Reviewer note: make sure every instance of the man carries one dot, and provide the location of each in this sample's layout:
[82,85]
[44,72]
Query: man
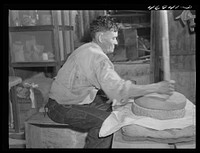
[76,95]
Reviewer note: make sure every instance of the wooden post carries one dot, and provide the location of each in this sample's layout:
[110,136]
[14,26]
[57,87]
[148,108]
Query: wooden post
[165,44]
[156,47]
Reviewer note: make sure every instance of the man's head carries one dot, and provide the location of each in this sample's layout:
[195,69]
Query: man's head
[104,31]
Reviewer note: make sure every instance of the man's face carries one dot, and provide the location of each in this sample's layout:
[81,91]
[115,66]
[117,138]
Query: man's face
[109,40]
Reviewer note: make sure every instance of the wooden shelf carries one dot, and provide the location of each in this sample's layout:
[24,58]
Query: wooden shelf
[137,26]
[32,28]
[130,11]
[34,64]
[66,28]
[38,28]
[54,36]
[127,15]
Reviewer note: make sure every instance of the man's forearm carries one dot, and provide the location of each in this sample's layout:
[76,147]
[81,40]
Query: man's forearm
[140,90]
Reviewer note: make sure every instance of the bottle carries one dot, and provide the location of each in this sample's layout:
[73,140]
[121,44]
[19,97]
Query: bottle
[37,17]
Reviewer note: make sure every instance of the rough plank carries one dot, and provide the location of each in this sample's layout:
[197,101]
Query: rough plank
[33,136]
[62,138]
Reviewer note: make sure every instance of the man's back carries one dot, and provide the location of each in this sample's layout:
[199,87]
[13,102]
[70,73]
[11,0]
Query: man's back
[76,79]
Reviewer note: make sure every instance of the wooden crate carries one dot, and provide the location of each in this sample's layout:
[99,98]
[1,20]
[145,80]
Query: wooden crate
[42,132]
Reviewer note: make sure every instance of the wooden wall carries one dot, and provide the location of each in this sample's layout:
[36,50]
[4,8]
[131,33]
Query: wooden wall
[138,73]
[81,20]
[182,55]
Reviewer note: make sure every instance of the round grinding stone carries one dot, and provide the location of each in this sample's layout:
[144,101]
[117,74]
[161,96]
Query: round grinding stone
[160,108]
[176,101]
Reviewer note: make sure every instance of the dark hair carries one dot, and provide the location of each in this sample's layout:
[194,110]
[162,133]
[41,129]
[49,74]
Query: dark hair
[103,23]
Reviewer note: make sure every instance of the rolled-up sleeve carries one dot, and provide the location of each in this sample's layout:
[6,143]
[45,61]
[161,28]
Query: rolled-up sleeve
[111,83]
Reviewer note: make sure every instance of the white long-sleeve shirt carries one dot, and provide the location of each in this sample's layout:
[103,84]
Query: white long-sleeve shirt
[86,70]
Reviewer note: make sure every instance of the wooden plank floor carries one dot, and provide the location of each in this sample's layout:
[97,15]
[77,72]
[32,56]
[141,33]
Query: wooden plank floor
[17,143]
[17,140]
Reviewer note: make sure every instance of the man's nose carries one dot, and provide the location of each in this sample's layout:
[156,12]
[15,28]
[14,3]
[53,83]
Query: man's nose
[116,42]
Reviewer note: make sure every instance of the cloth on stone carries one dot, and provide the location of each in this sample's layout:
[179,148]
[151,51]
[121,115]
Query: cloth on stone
[138,133]
[190,139]
[124,116]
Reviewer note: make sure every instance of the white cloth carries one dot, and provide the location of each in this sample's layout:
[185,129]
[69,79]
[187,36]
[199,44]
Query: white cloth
[124,116]
[90,97]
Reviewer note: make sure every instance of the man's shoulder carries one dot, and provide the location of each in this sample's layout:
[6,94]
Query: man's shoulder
[91,50]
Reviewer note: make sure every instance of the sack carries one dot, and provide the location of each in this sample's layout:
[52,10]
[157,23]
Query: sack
[25,104]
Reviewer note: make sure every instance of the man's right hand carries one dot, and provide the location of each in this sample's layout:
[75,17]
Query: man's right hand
[166,87]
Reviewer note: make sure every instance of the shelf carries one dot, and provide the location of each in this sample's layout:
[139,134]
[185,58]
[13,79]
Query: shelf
[67,28]
[130,11]
[34,64]
[31,28]
[50,33]
[127,15]
[136,26]
[38,28]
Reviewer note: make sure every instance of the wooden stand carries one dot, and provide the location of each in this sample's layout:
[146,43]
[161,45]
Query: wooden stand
[118,142]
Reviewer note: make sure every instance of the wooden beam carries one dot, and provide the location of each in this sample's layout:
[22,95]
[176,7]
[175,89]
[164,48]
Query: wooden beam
[165,44]
[155,75]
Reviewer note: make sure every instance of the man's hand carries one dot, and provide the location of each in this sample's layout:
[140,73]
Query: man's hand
[166,87]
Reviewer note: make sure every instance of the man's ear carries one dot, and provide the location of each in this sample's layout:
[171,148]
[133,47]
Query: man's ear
[100,37]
